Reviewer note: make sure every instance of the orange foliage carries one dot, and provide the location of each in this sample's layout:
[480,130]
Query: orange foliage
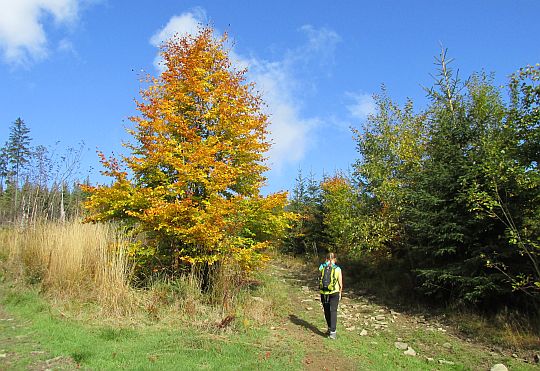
[196,163]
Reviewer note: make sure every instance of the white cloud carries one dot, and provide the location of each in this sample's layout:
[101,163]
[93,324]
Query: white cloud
[321,42]
[22,34]
[290,132]
[363,105]
[184,24]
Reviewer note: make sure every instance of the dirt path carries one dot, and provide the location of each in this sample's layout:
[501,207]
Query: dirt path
[306,324]
[16,344]
[361,322]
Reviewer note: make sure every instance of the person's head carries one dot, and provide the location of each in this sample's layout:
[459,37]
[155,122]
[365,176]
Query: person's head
[331,257]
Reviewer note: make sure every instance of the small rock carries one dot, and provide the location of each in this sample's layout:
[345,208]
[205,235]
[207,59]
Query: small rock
[380,317]
[499,367]
[514,355]
[363,332]
[3,355]
[447,345]
[309,308]
[410,352]
[257,298]
[429,359]
[55,359]
[399,339]
[445,362]
[382,310]
[401,346]
[352,328]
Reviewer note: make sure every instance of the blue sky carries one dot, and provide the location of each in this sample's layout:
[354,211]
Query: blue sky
[70,68]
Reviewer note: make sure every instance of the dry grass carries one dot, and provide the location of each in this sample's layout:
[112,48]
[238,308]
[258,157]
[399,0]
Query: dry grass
[510,330]
[72,261]
[83,269]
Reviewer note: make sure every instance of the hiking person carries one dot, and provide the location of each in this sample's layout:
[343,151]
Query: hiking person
[331,286]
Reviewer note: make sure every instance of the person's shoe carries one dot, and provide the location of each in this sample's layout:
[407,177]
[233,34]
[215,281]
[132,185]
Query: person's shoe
[332,335]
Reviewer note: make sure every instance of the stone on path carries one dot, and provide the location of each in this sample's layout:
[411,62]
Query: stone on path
[410,352]
[380,317]
[499,367]
[445,362]
[363,332]
[401,346]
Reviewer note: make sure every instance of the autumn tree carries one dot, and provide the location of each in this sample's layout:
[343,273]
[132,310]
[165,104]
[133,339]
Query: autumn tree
[191,186]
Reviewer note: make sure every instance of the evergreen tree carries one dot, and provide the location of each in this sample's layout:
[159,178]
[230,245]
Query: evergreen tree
[18,148]
[306,234]
[18,155]
[4,172]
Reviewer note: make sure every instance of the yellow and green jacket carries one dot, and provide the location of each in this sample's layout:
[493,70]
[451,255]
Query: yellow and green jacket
[336,273]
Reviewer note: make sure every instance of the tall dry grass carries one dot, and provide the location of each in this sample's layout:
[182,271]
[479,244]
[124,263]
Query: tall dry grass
[73,261]
[76,264]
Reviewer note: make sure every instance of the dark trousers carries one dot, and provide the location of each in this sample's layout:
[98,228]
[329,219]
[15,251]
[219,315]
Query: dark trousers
[330,304]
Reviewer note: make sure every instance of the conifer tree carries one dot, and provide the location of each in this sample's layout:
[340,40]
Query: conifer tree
[18,152]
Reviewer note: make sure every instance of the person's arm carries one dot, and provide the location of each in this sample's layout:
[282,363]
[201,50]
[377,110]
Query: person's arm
[340,280]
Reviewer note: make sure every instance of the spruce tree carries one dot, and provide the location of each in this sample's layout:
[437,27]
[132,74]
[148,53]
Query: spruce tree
[18,154]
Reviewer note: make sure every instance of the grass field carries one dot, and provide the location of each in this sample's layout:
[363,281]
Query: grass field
[34,334]
[62,310]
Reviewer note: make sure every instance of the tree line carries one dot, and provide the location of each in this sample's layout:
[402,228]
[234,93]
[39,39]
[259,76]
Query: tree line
[449,194]
[36,182]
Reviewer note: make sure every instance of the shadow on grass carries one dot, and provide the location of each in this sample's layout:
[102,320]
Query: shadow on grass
[305,324]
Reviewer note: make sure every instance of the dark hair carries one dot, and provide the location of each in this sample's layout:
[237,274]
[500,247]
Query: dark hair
[331,256]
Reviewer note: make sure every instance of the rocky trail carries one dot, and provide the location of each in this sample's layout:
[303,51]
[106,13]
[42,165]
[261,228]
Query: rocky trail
[368,330]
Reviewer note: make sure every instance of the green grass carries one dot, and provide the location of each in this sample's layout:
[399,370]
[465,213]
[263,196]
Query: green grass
[40,332]
[145,348]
